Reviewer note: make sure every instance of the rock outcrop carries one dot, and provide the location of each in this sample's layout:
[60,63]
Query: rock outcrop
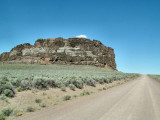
[79,51]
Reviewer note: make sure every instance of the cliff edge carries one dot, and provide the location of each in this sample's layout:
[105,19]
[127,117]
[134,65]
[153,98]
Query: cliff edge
[78,51]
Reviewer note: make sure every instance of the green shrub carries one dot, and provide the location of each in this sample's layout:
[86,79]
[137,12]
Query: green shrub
[18,113]
[52,83]
[40,83]
[30,109]
[104,88]
[38,100]
[78,83]
[63,88]
[16,82]
[72,87]
[19,89]
[25,85]
[44,94]
[84,93]
[6,87]
[58,84]
[3,97]
[91,83]
[101,81]
[8,93]
[67,97]
[43,105]
[2,116]
[7,111]
[4,78]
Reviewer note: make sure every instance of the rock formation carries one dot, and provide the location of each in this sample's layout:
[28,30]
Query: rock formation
[79,51]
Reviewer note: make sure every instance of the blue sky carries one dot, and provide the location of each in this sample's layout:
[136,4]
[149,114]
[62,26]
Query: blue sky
[131,27]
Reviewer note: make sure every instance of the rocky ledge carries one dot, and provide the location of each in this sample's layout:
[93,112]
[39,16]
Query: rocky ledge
[78,51]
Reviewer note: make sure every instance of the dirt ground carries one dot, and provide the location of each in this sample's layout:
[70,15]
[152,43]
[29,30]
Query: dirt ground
[50,98]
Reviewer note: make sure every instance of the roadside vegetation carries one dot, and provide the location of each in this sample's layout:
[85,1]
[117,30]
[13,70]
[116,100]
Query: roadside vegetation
[156,77]
[38,86]
[26,77]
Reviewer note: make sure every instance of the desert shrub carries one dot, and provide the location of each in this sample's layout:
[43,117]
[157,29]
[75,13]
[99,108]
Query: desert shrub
[4,78]
[91,83]
[30,109]
[101,81]
[38,100]
[16,82]
[40,83]
[19,89]
[109,80]
[104,88]
[2,116]
[49,97]
[105,80]
[7,111]
[3,97]
[52,83]
[84,93]
[67,97]
[63,88]
[44,94]
[25,85]
[43,105]
[72,87]
[18,113]
[42,77]
[78,83]
[8,93]
[58,84]
[6,87]
[156,77]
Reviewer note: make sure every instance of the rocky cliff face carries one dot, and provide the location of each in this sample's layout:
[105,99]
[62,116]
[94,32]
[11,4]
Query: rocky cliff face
[79,51]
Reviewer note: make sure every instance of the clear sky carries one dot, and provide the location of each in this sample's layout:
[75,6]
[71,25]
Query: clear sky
[131,27]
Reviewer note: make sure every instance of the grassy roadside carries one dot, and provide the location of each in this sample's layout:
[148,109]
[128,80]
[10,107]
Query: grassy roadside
[28,88]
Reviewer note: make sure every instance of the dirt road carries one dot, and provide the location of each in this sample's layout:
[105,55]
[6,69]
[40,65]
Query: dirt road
[136,100]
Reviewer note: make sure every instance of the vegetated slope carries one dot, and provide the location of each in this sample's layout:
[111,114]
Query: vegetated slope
[42,77]
[78,51]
